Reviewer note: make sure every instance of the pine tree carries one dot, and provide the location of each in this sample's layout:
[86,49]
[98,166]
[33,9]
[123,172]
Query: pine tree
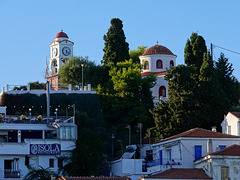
[116,48]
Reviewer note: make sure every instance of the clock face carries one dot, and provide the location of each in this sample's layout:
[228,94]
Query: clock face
[55,51]
[66,50]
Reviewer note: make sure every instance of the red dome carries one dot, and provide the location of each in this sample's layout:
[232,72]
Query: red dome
[61,35]
[158,49]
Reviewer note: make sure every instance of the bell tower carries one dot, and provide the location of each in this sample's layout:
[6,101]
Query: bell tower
[60,50]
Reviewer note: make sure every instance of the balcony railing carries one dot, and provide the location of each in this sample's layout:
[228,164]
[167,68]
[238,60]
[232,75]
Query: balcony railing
[34,120]
[9,173]
[165,162]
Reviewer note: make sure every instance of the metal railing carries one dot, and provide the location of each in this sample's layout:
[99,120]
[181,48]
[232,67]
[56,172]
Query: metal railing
[165,162]
[36,120]
[9,173]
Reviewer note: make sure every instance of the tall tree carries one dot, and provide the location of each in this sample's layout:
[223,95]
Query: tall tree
[116,48]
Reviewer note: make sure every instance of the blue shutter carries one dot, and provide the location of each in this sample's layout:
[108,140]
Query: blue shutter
[222,146]
[198,152]
[160,157]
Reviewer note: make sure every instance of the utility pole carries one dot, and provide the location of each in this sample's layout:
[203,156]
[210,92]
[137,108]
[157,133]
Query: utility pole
[48,100]
[212,50]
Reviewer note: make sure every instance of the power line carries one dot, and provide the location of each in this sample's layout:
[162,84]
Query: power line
[226,49]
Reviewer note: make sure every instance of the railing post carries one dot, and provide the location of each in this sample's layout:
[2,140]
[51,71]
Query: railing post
[7,88]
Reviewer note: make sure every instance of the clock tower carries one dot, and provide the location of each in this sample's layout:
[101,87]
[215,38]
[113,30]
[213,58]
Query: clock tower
[60,50]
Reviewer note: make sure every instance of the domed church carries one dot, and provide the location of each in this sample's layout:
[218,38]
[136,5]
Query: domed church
[157,59]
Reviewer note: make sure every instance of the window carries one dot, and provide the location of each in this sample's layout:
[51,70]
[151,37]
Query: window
[149,155]
[51,163]
[146,65]
[222,146]
[171,63]
[229,129]
[224,173]
[198,152]
[159,64]
[162,91]
[160,157]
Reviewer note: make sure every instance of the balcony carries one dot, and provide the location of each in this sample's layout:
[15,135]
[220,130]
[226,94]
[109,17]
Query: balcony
[34,120]
[163,164]
[9,173]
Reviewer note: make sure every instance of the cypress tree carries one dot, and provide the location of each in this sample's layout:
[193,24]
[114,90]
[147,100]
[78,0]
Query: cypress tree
[116,48]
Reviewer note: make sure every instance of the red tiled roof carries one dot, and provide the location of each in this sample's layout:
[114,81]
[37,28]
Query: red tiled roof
[61,34]
[233,150]
[94,178]
[200,133]
[154,73]
[157,49]
[237,114]
[180,173]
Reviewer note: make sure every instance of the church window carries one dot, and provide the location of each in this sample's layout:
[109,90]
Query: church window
[162,91]
[171,63]
[146,65]
[159,64]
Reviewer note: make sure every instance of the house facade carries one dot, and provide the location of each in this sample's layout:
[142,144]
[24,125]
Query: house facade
[231,124]
[222,164]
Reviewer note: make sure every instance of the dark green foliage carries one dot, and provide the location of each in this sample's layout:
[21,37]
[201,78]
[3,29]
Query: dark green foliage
[38,173]
[33,85]
[199,92]
[19,104]
[129,101]
[71,73]
[87,156]
[116,48]
[134,54]
[194,51]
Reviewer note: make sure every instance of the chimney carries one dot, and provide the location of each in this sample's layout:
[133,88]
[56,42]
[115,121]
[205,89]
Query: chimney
[214,129]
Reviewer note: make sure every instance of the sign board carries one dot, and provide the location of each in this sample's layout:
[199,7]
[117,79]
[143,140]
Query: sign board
[45,149]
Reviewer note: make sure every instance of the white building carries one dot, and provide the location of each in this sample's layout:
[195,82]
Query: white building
[178,151]
[223,164]
[157,59]
[34,142]
[231,124]
[186,147]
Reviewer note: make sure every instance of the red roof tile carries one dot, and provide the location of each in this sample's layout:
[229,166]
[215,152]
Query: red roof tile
[94,178]
[157,49]
[200,133]
[233,150]
[237,114]
[180,173]
[61,34]
[153,73]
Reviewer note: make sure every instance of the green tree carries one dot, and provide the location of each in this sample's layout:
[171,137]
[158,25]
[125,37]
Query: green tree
[38,173]
[199,92]
[116,48]
[71,73]
[131,99]
[87,156]
[134,54]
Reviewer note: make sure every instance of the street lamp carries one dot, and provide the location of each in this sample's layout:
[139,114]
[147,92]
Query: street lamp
[139,125]
[113,136]
[129,127]
[56,110]
[82,76]
[30,113]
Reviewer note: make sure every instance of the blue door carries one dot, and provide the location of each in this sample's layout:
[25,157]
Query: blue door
[198,152]
[160,157]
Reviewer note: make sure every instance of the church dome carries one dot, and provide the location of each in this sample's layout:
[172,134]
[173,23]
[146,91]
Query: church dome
[61,35]
[158,49]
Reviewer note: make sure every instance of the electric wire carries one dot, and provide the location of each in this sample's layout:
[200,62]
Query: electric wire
[226,49]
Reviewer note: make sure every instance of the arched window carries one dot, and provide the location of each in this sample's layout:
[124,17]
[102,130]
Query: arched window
[159,64]
[171,63]
[162,91]
[146,65]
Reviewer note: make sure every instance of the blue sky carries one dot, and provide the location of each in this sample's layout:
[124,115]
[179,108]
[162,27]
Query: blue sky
[29,26]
